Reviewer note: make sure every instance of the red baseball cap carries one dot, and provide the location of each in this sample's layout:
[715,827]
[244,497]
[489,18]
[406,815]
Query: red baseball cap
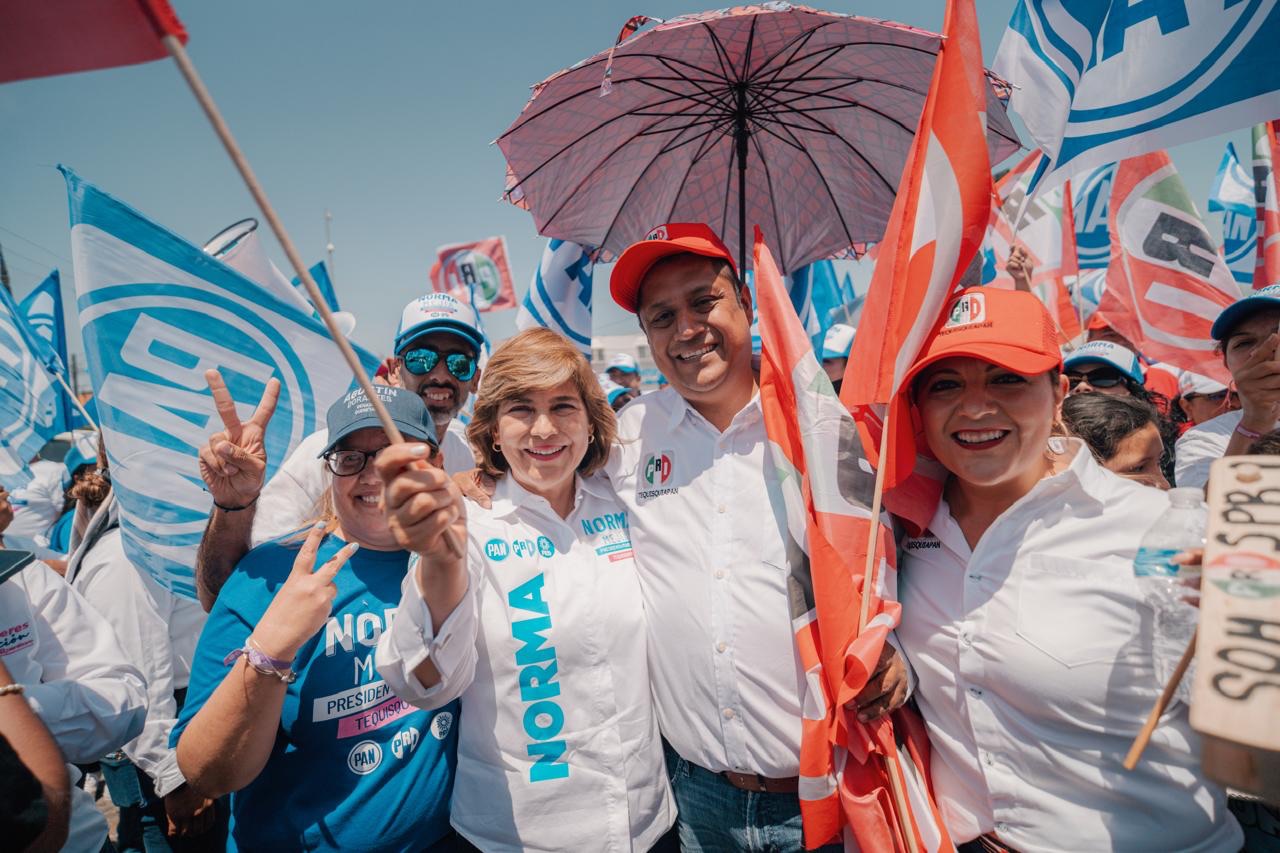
[663,241]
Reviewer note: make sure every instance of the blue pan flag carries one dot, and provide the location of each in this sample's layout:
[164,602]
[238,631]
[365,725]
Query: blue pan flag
[29,397]
[42,309]
[559,296]
[1232,195]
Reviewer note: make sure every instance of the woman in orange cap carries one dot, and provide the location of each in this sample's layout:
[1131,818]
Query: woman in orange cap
[1021,614]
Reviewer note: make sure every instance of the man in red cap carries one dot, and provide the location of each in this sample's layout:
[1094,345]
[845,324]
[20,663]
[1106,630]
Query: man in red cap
[692,470]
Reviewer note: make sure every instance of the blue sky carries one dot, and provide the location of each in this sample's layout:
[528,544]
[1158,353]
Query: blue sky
[381,112]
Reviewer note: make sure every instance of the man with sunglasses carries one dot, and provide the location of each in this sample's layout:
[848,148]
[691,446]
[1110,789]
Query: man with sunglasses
[1104,367]
[1203,399]
[437,352]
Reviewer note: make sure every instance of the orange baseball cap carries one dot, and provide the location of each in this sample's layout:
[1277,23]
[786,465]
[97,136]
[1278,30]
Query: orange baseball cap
[663,241]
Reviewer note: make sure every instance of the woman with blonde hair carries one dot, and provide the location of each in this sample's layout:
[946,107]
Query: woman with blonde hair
[559,746]
[285,710]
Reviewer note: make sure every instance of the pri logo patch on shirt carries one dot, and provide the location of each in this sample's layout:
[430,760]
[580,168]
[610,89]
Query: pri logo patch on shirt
[967,310]
[655,475]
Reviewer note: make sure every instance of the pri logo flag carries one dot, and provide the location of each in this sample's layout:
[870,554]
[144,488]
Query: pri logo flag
[1266,155]
[477,273]
[937,225]
[559,296]
[1166,283]
[28,396]
[826,488]
[1232,195]
[1097,81]
[157,312]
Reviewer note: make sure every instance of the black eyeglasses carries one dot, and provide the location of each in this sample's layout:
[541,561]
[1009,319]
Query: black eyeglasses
[348,463]
[1105,377]
[422,361]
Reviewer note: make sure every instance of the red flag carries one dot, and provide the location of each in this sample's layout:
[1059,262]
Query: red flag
[938,222]
[1266,156]
[1166,283]
[39,38]
[844,783]
[477,273]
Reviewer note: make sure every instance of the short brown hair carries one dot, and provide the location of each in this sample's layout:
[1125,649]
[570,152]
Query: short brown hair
[535,360]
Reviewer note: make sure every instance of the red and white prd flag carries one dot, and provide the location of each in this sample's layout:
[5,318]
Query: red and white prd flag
[845,791]
[937,226]
[1266,158]
[1167,282]
[476,273]
[39,38]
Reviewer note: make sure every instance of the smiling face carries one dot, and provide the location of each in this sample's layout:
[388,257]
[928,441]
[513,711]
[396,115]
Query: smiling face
[443,392]
[1137,457]
[986,424]
[699,331]
[357,500]
[543,436]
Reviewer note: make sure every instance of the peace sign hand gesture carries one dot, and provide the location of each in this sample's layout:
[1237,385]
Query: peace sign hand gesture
[234,462]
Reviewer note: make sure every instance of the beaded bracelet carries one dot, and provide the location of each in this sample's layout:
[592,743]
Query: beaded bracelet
[11,688]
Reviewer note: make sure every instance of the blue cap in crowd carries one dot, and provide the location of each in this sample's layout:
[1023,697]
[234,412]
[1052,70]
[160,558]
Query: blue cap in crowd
[1236,312]
[438,312]
[354,412]
[1108,353]
[838,342]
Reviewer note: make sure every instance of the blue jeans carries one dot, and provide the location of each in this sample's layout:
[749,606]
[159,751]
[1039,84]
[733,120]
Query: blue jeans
[716,817]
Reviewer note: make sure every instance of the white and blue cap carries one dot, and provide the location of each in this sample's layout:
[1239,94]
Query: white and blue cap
[354,412]
[623,362]
[837,342]
[1109,353]
[612,390]
[83,451]
[1236,312]
[438,312]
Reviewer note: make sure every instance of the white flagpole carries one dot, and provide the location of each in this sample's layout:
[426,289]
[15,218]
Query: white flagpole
[76,401]
[189,73]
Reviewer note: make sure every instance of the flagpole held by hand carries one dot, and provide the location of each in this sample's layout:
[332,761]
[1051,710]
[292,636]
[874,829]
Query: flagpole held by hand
[189,73]
[1157,710]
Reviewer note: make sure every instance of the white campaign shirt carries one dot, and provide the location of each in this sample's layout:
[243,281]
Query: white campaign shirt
[710,549]
[77,679]
[559,747]
[36,506]
[157,630]
[1202,445]
[291,498]
[1034,658]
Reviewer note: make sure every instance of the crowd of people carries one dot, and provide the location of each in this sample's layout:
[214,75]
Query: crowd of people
[565,624]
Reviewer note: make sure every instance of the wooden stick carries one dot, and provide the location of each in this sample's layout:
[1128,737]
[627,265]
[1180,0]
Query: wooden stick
[76,400]
[189,73]
[868,586]
[1157,710]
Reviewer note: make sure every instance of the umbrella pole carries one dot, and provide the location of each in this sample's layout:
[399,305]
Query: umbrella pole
[189,73]
[740,135]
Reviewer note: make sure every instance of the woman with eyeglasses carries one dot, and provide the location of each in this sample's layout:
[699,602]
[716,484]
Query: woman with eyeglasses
[559,746]
[285,710]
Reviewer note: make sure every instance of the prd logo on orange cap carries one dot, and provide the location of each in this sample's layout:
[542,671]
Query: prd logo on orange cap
[673,238]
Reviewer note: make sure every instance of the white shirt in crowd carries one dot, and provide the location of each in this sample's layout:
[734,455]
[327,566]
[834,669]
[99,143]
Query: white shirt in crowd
[559,747]
[710,550]
[290,499]
[1034,658]
[1202,445]
[36,506]
[77,680]
[157,629]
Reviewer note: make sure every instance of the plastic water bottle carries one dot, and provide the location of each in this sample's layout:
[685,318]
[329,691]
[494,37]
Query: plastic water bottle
[1180,528]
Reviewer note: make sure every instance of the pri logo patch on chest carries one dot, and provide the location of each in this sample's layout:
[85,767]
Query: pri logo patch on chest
[656,475]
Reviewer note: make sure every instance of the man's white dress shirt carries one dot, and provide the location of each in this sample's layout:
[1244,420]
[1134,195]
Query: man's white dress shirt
[292,496]
[713,567]
[1033,652]
[559,746]
[77,679]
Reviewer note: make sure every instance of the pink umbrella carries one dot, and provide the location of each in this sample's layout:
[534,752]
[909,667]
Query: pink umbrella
[781,116]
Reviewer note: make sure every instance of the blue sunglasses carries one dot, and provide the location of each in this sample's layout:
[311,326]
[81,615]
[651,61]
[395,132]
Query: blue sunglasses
[422,361]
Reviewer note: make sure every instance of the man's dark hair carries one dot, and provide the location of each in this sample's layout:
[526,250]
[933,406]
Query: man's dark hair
[1102,421]
[1267,445]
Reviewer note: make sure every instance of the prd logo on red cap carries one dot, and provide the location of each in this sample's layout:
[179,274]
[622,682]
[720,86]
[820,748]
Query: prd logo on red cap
[659,233]
[967,310]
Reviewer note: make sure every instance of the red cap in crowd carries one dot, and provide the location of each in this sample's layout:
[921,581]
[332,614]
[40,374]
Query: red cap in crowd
[671,239]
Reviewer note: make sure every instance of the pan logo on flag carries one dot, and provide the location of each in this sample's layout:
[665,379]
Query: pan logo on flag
[967,310]
[659,233]
[657,468]
[474,272]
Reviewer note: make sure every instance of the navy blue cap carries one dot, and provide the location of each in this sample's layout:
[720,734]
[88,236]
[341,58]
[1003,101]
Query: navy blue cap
[354,412]
[1233,314]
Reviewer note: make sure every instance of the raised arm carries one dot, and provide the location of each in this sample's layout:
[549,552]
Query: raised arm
[233,465]
[228,741]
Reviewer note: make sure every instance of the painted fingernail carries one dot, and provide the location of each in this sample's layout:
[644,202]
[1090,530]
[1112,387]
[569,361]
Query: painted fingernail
[352,548]
[319,525]
[420,450]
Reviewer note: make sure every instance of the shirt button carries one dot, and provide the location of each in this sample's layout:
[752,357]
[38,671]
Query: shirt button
[722,509]
[720,574]
[720,647]
[1002,828]
[966,638]
[975,692]
[728,713]
[975,577]
[989,759]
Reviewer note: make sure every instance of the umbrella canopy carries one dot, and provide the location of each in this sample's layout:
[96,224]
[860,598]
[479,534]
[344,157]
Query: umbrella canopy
[781,116]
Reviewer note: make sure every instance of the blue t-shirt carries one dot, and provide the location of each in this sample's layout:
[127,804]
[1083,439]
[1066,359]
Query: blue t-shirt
[353,767]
